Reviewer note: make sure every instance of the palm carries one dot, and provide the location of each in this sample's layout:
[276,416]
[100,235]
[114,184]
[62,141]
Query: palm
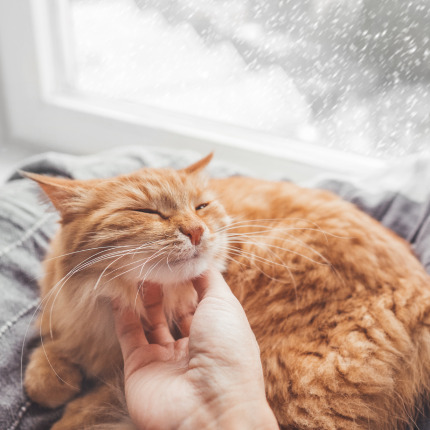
[156,377]
[159,386]
[193,381]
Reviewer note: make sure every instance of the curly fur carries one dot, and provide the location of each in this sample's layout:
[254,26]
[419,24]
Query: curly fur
[339,305]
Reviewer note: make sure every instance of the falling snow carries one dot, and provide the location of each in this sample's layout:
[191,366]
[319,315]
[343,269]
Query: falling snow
[348,74]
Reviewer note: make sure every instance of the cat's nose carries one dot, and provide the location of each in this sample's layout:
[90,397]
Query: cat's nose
[194,233]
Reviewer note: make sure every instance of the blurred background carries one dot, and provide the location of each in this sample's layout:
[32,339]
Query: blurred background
[324,77]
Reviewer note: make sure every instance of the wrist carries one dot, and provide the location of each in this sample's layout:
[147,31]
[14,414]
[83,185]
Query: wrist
[248,417]
[232,416]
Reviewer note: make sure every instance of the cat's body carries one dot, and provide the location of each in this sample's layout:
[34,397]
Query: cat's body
[339,305]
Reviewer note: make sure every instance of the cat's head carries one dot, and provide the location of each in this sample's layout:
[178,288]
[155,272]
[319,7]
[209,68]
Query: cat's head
[162,225]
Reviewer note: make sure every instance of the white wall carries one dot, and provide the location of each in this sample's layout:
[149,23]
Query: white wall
[2,116]
[1,132]
[11,152]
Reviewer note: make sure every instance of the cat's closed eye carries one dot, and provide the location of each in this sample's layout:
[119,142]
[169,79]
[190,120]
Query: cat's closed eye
[202,206]
[149,211]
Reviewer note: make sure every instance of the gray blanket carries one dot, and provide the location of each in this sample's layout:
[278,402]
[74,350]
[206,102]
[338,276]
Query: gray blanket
[26,227]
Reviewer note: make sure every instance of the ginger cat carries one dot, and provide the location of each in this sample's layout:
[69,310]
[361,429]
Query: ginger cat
[339,304]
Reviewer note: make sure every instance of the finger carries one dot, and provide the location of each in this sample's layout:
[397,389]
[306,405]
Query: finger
[128,329]
[158,331]
[184,323]
[211,283]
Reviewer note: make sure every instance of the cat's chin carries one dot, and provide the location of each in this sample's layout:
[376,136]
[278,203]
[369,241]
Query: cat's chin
[183,271]
[180,272]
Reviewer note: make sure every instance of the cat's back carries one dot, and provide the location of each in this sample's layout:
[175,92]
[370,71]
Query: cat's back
[245,197]
[317,218]
[339,304]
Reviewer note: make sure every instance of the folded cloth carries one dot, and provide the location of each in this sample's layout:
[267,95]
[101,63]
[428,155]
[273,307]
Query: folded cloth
[26,227]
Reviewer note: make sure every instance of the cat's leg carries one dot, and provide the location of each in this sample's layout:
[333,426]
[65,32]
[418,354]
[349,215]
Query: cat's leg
[104,409]
[51,379]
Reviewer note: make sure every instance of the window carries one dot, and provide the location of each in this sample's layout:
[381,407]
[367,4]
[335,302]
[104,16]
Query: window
[302,86]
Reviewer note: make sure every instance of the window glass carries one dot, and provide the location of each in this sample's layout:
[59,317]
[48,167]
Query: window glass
[348,74]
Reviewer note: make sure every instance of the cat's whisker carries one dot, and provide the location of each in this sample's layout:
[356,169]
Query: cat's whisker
[107,267]
[251,256]
[271,228]
[46,298]
[81,266]
[359,321]
[266,274]
[305,245]
[225,254]
[282,230]
[143,265]
[241,266]
[266,245]
[50,364]
[288,269]
[90,261]
[158,270]
[402,402]
[251,223]
[114,254]
[238,253]
[138,262]
[149,243]
[143,281]
[244,242]
[76,269]
[168,265]
[26,332]
[278,220]
[247,254]
[144,251]
[90,249]
[62,282]
[329,264]
[157,254]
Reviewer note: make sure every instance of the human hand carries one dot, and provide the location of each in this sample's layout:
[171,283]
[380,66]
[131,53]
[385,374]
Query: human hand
[211,380]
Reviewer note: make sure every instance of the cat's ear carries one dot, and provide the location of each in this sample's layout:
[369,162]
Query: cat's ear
[63,193]
[199,165]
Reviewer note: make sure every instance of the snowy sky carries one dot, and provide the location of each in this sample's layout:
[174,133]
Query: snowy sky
[339,73]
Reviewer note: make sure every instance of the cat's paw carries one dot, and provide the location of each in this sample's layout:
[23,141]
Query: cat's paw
[51,383]
[66,424]
[102,408]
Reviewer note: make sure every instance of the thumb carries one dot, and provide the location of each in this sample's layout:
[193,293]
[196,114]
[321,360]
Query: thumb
[211,284]
[220,322]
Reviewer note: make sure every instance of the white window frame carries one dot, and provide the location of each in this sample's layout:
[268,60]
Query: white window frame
[39,109]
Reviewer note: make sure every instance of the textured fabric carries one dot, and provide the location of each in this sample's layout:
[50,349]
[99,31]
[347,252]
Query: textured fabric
[26,227]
